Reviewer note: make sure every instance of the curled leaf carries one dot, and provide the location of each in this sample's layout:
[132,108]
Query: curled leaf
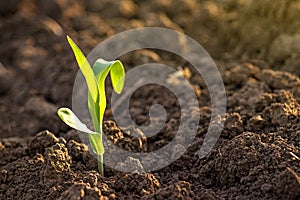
[117,73]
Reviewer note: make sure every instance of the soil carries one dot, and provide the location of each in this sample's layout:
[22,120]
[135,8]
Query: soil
[257,155]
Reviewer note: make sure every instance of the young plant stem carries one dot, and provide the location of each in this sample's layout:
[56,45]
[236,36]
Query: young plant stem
[100,164]
[100,156]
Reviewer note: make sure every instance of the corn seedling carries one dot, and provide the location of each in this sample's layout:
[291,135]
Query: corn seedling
[95,79]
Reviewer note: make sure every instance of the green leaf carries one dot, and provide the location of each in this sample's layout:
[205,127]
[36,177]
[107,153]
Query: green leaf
[94,112]
[93,93]
[96,143]
[72,120]
[66,115]
[85,69]
[117,73]
[101,69]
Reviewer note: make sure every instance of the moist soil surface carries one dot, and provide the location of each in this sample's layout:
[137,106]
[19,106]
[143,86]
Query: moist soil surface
[256,156]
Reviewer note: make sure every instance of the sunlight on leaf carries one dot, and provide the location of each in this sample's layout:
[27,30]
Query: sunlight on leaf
[72,120]
[95,80]
[85,69]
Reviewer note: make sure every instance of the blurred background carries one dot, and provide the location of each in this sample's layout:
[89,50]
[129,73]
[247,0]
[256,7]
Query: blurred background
[37,66]
[228,29]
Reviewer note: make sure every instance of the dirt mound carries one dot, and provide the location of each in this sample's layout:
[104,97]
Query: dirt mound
[256,156]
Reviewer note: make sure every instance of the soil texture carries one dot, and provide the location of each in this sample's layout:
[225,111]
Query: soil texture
[258,153]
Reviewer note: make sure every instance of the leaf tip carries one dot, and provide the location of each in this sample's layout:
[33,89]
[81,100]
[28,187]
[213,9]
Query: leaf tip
[63,111]
[70,40]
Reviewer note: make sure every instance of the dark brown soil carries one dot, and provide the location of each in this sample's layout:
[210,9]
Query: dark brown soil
[257,155]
